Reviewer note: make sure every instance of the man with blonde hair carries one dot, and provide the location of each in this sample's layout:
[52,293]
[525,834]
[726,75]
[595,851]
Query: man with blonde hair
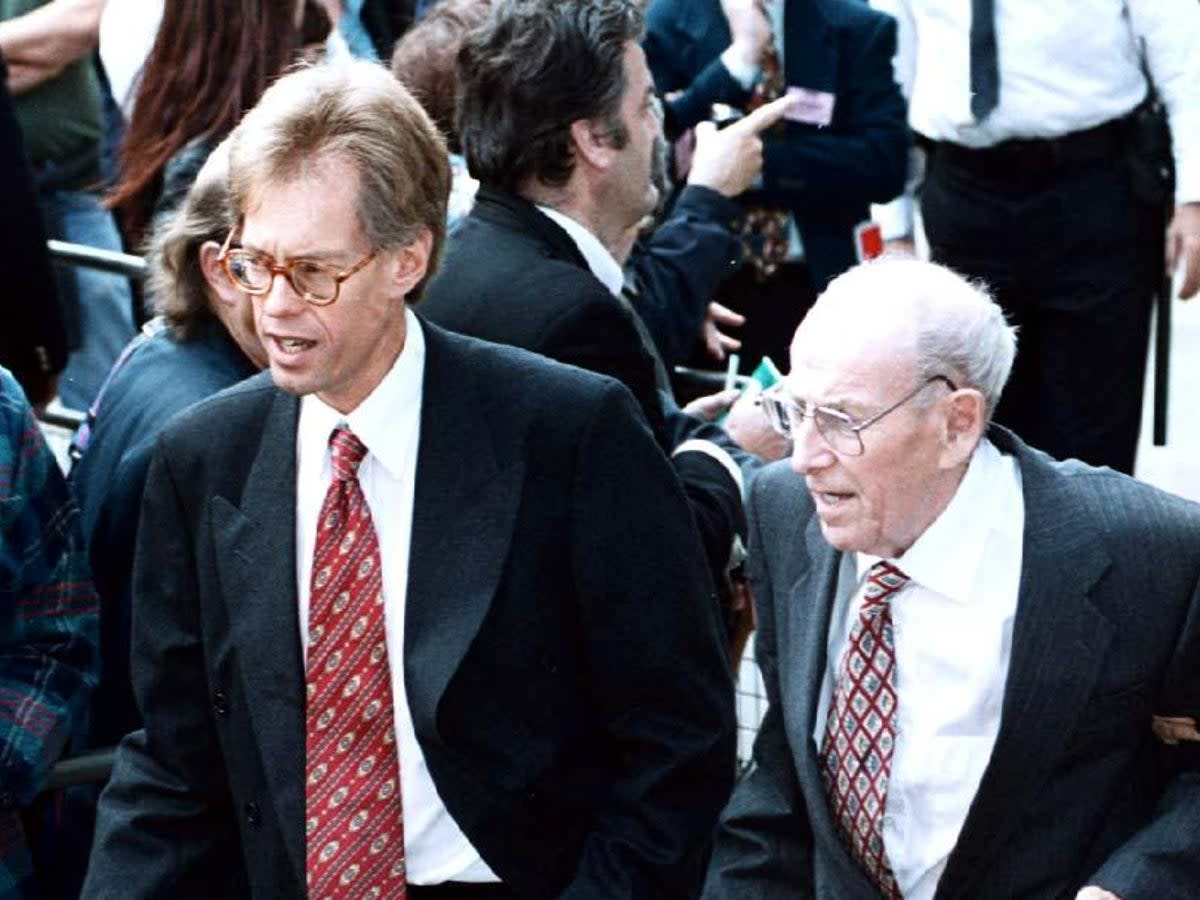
[396,632]
[979,661]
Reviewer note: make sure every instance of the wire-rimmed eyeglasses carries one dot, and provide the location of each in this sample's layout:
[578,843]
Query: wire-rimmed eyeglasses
[841,432]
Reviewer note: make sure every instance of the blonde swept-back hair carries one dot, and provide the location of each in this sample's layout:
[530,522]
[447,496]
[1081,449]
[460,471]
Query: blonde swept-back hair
[358,111]
[175,280]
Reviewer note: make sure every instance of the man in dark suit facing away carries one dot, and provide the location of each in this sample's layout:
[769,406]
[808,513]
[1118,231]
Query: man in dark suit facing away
[559,122]
[980,662]
[399,627]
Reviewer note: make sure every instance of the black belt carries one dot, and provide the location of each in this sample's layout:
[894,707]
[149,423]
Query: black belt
[1032,160]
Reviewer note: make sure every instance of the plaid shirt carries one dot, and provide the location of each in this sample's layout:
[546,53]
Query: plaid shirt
[49,627]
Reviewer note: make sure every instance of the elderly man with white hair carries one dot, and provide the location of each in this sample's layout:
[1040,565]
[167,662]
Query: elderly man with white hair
[981,663]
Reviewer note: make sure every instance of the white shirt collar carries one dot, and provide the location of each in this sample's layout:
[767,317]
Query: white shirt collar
[948,556]
[602,263]
[394,401]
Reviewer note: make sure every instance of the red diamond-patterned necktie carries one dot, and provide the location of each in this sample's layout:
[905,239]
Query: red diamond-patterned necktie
[354,823]
[765,233]
[860,731]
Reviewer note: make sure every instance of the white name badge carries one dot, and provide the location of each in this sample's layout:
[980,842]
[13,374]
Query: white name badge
[810,107]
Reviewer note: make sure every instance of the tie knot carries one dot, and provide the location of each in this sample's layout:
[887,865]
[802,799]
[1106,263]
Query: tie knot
[883,580]
[347,452]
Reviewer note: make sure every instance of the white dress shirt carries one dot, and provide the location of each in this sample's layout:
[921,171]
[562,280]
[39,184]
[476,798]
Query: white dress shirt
[605,267]
[1065,66]
[952,625]
[127,31]
[388,423]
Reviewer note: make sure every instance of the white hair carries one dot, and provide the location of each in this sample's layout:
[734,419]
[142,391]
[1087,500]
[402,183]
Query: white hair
[960,331]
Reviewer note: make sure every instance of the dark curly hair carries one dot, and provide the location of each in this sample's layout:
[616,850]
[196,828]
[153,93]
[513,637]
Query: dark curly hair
[532,70]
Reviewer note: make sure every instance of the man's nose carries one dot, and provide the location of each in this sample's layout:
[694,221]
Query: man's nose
[810,452]
[281,299]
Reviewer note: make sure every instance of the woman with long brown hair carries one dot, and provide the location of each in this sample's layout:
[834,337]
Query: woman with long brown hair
[210,63]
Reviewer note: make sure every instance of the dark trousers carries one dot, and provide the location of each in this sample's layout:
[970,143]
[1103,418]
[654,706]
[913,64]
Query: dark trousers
[773,308]
[1074,260]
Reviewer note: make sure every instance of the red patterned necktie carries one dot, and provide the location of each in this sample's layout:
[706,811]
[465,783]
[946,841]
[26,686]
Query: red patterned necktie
[860,731]
[766,238]
[354,822]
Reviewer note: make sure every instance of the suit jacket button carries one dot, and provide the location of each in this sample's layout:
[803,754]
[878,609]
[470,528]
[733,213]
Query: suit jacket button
[253,814]
[221,702]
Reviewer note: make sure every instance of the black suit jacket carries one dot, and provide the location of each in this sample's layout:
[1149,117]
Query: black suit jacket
[563,663]
[513,276]
[827,176]
[1077,791]
[680,265]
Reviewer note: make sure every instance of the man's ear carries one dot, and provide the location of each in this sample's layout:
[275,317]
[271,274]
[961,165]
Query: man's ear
[214,274]
[963,426]
[592,142]
[412,262]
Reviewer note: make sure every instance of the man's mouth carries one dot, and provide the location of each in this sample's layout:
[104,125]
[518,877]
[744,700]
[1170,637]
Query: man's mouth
[830,499]
[292,345]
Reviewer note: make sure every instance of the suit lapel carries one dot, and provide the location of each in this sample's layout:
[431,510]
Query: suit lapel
[810,57]
[810,609]
[802,662]
[516,214]
[1059,643]
[468,487]
[256,555]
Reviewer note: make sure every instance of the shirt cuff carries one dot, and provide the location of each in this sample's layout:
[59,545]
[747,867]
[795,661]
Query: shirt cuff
[895,219]
[698,445]
[738,70]
[1187,178]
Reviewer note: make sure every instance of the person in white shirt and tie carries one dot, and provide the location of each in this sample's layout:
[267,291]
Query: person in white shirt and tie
[965,644]
[1042,178]
[400,626]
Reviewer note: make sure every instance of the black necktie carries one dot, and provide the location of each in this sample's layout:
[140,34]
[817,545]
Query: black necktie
[985,68]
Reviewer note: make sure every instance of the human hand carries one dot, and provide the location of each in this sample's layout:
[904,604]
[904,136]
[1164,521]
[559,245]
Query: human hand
[22,78]
[729,159]
[1173,729]
[713,406]
[749,27]
[716,342]
[748,426]
[1183,247]
[1091,892]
